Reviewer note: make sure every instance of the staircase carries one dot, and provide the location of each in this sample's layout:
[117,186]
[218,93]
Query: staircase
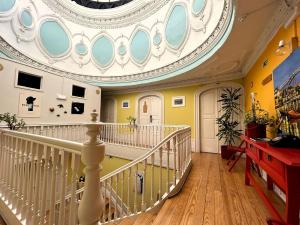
[39,174]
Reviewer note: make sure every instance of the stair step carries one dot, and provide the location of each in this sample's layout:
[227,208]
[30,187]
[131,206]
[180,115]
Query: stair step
[145,219]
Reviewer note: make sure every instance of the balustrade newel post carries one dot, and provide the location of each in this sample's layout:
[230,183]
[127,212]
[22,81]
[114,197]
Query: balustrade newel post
[91,206]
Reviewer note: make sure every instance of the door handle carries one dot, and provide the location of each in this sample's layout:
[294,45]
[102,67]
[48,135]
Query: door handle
[151,119]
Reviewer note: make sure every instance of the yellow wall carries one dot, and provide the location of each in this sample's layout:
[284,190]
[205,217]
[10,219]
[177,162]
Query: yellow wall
[265,94]
[172,115]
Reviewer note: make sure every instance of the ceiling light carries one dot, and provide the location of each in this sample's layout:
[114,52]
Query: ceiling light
[282,48]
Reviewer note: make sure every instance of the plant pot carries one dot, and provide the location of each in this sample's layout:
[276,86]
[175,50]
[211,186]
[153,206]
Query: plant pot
[225,153]
[254,130]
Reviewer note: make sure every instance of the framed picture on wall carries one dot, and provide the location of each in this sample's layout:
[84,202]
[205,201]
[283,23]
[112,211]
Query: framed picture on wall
[178,101]
[30,104]
[125,104]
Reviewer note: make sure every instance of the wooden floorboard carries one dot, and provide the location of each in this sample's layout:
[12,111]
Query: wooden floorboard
[214,196]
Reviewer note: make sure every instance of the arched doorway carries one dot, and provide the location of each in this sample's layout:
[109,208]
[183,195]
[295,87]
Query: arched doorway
[150,109]
[108,110]
[206,111]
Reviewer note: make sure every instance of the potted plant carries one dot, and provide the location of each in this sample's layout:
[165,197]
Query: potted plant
[131,121]
[11,121]
[227,122]
[256,120]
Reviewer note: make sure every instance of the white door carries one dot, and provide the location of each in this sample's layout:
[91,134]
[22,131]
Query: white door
[108,110]
[150,114]
[208,126]
[150,110]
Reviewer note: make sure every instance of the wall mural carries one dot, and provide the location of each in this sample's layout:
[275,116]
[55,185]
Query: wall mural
[163,41]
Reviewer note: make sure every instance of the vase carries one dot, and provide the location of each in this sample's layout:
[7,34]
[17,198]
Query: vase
[254,130]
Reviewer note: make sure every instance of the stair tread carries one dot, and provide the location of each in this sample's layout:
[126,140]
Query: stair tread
[145,218]
[126,221]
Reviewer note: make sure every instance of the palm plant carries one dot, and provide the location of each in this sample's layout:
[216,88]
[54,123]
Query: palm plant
[230,108]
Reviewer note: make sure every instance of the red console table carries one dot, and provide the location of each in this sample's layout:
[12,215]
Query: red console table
[282,166]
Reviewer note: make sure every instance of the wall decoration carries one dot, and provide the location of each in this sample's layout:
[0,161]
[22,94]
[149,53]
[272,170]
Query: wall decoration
[145,107]
[1,67]
[30,105]
[125,104]
[103,51]
[287,93]
[177,26]
[54,38]
[140,46]
[77,108]
[178,101]
[267,80]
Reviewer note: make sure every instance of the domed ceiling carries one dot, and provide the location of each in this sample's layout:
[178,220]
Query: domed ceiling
[139,42]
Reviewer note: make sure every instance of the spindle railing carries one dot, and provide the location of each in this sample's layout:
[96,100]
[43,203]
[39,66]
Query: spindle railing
[39,171]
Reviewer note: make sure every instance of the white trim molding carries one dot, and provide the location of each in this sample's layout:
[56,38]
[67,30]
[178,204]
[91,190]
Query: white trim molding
[197,105]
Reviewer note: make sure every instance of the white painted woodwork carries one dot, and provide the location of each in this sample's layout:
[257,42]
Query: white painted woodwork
[39,174]
[208,115]
[150,106]
[108,110]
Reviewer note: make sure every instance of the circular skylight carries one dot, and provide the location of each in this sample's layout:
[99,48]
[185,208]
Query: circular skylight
[102,4]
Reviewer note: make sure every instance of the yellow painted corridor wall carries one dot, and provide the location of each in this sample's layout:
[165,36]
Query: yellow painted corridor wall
[265,93]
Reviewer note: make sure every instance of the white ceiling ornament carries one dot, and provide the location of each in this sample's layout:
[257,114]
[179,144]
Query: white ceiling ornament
[24,23]
[122,53]
[81,49]
[158,39]
[128,14]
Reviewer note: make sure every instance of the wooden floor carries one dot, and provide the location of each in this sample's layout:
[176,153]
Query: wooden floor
[213,196]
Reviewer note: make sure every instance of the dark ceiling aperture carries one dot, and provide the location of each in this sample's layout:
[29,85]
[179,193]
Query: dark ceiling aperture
[101,5]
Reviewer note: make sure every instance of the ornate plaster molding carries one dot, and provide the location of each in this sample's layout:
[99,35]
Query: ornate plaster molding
[128,14]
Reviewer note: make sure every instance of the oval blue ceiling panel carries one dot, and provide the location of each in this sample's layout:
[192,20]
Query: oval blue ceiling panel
[54,38]
[157,39]
[177,26]
[140,46]
[26,18]
[198,6]
[103,51]
[6,5]
[122,49]
[81,48]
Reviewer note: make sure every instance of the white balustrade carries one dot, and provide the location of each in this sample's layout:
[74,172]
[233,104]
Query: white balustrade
[40,169]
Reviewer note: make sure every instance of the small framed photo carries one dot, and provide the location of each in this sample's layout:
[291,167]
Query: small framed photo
[125,104]
[178,101]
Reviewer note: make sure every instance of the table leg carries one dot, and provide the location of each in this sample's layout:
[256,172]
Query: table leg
[292,195]
[248,170]
[270,183]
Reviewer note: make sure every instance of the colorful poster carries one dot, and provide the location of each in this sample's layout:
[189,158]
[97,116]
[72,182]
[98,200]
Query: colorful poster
[287,93]
[30,105]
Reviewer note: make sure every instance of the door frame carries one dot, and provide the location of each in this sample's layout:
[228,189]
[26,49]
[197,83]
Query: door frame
[115,106]
[197,106]
[149,94]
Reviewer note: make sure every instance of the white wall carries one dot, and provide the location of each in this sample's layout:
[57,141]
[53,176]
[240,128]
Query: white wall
[51,86]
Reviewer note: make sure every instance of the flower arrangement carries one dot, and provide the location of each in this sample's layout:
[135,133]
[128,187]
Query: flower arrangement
[257,115]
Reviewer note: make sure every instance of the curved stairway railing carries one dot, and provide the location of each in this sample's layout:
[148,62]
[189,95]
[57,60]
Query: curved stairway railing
[39,175]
